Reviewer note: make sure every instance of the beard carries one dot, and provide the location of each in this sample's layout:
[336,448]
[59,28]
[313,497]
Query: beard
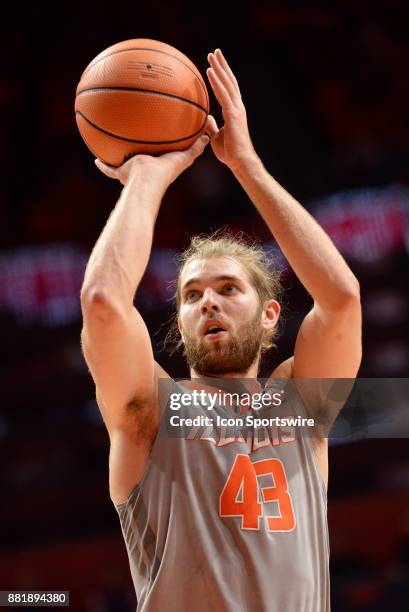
[233,355]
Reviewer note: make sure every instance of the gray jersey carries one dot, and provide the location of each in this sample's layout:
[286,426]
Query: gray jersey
[229,522]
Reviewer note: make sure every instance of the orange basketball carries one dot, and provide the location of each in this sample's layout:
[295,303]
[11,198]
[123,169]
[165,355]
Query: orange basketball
[140,96]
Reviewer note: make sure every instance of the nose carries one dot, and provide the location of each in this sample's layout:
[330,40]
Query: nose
[209,301]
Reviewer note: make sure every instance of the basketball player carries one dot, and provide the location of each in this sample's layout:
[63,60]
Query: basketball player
[220,523]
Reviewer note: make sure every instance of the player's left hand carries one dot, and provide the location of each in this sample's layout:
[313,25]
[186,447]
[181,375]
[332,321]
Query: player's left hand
[232,143]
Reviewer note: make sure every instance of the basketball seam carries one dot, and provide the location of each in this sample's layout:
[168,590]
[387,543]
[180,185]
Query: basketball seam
[94,62]
[150,142]
[140,89]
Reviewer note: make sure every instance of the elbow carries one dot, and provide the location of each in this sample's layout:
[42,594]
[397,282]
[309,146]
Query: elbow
[350,297]
[353,295]
[93,296]
[96,302]
[342,300]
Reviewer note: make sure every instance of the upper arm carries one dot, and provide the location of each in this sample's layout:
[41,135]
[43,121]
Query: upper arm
[326,360]
[117,348]
[329,343]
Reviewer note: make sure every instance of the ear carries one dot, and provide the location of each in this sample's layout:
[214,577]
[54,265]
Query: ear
[270,314]
[180,328]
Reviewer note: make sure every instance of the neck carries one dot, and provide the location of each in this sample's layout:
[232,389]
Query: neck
[232,380]
[251,372]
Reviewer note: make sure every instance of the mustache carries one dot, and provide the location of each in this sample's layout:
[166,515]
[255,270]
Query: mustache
[214,317]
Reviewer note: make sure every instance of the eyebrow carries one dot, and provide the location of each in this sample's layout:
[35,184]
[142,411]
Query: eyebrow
[223,277]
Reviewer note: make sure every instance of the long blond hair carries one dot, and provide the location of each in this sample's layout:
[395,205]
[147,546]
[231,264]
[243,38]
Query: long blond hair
[263,275]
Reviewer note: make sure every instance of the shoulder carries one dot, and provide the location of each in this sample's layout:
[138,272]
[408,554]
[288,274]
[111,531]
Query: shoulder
[284,370]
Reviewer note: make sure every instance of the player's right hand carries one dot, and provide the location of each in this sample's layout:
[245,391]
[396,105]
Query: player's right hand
[166,167]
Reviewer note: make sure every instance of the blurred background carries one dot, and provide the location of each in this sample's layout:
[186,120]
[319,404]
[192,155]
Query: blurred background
[327,94]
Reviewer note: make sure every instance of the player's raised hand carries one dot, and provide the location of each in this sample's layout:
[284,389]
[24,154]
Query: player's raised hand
[232,143]
[165,168]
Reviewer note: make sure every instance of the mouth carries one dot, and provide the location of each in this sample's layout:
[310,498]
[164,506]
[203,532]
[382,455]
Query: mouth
[215,333]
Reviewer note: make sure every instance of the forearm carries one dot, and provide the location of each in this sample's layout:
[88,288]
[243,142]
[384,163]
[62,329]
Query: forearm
[121,253]
[308,249]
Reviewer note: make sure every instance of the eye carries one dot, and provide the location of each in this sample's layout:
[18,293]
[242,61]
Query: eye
[229,288]
[191,295]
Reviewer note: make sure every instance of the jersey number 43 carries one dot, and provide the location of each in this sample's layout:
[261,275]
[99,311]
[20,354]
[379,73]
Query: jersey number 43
[241,494]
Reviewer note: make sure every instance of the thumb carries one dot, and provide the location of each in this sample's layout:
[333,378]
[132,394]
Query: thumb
[199,146]
[211,126]
[110,171]
[186,157]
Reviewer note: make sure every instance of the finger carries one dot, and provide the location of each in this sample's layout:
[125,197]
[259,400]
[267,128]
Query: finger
[222,75]
[220,57]
[107,170]
[211,127]
[188,155]
[219,90]
[199,146]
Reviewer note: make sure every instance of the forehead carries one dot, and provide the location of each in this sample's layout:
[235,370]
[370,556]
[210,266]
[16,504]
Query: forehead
[207,269]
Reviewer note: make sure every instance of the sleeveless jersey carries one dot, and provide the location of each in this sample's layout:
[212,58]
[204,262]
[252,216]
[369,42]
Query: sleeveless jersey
[229,522]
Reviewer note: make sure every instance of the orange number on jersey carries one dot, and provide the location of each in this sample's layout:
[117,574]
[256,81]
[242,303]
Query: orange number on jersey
[278,492]
[242,483]
[242,478]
